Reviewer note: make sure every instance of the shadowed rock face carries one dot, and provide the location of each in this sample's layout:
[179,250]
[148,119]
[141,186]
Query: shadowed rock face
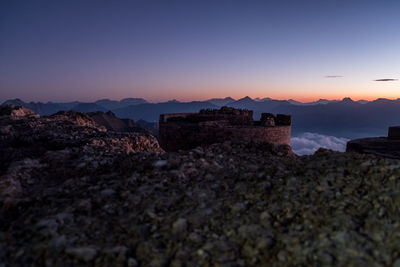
[388,147]
[381,146]
[113,123]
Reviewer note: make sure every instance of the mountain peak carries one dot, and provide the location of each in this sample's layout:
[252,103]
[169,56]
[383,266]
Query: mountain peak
[15,102]
[221,101]
[246,98]
[347,100]
[132,100]
[262,99]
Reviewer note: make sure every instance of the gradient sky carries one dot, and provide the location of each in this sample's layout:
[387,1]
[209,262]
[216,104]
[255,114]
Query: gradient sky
[160,50]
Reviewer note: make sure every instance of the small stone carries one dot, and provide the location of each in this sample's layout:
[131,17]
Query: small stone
[238,207]
[340,237]
[85,205]
[282,255]
[179,226]
[4,130]
[265,219]
[200,252]
[58,242]
[264,242]
[132,262]
[31,181]
[107,192]
[83,253]
[50,223]
[326,258]
[160,163]
[396,263]
[119,252]
[195,238]
[81,165]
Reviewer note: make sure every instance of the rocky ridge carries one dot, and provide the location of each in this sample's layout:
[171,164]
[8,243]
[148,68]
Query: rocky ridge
[113,123]
[230,204]
[28,141]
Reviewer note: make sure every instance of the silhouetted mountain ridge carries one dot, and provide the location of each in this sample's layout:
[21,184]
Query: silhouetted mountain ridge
[112,123]
[113,104]
[151,111]
[342,118]
[221,101]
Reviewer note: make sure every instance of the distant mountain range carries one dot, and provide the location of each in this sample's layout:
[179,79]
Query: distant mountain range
[107,104]
[100,105]
[341,118]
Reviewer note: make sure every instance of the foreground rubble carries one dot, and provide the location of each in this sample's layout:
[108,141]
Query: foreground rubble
[231,204]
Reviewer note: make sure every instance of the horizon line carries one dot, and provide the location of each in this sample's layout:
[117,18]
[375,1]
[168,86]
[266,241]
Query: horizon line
[207,99]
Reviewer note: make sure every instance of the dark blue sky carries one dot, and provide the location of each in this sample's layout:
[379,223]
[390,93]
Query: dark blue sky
[86,50]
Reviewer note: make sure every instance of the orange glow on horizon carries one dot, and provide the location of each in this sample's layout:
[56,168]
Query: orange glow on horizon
[302,98]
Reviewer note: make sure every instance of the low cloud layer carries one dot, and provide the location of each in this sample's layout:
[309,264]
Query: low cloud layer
[333,76]
[385,80]
[308,143]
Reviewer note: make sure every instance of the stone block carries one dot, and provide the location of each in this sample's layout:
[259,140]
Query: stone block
[394,132]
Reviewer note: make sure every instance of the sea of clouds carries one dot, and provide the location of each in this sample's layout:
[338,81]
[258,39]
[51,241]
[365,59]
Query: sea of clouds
[308,143]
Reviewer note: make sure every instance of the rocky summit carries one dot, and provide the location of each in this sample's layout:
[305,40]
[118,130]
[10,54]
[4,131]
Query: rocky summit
[28,141]
[74,194]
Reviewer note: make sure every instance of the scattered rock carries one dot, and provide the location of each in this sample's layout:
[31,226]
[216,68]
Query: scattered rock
[108,192]
[179,226]
[132,262]
[160,163]
[82,253]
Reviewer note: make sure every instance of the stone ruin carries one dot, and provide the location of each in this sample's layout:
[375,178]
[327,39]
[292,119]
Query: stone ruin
[394,133]
[189,130]
[388,147]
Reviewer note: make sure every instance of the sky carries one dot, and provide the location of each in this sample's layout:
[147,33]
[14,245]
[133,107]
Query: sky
[194,50]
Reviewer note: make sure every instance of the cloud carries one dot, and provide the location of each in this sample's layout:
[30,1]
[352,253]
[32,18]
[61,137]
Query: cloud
[308,143]
[334,76]
[385,80]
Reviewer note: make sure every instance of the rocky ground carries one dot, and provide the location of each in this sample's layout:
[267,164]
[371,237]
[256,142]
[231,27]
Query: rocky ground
[231,204]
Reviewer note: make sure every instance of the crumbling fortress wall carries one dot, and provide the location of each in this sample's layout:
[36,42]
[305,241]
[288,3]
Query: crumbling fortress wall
[189,130]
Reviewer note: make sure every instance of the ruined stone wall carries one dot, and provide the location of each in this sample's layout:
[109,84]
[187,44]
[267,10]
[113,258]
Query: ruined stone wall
[189,130]
[231,115]
[175,136]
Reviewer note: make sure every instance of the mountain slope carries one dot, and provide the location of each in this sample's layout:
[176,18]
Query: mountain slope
[151,112]
[343,118]
[113,123]
[88,107]
[112,104]
[221,101]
